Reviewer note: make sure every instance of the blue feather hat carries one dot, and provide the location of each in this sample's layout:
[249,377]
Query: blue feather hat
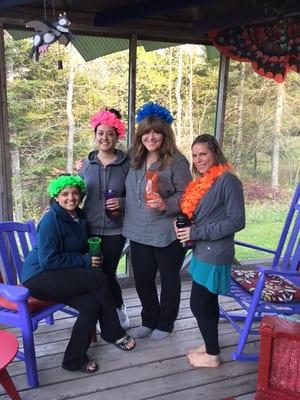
[154,109]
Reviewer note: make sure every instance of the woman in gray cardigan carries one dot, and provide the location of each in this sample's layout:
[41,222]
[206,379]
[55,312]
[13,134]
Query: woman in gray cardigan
[215,203]
[149,219]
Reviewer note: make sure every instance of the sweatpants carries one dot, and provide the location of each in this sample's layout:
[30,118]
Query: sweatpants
[146,262]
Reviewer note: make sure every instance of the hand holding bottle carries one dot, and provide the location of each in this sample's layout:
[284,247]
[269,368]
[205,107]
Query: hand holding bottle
[96,262]
[151,195]
[112,204]
[182,227]
[156,202]
[182,234]
[94,244]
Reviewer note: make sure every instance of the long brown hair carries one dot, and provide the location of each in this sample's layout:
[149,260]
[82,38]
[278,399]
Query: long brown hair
[213,146]
[167,149]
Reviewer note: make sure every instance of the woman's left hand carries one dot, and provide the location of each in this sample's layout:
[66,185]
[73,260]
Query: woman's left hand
[97,261]
[182,234]
[157,202]
[112,204]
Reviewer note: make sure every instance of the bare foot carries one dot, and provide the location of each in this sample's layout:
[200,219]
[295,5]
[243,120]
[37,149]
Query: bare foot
[200,349]
[203,360]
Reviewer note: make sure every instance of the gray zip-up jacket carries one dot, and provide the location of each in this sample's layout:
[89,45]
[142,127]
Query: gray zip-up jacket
[218,216]
[99,179]
[150,226]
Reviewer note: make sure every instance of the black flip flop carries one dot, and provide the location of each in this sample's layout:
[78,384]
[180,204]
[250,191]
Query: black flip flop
[123,344]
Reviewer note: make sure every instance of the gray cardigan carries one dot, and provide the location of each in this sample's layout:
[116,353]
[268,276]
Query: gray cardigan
[150,226]
[218,216]
[98,179]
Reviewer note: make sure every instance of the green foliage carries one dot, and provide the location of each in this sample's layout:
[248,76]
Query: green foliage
[258,124]
[37,99]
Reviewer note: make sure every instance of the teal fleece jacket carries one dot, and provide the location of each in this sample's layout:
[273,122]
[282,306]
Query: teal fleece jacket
[62,244]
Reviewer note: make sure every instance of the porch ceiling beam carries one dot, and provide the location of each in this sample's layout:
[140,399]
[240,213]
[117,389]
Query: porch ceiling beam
[245,16]
[145,29]
[13,3]
[141,10]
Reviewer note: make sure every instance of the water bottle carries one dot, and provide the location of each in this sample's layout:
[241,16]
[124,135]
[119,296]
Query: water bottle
[183,221]
[111,194]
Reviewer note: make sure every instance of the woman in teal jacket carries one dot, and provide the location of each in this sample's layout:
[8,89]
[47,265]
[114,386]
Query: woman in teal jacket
[59,268]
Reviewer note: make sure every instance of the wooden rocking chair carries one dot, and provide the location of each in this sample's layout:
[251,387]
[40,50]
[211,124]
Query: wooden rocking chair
[268,290]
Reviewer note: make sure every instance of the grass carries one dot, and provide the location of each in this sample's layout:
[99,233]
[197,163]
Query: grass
[263,226]
[122,266]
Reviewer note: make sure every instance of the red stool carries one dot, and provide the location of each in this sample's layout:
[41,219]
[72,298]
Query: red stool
[279,360]
[8,349]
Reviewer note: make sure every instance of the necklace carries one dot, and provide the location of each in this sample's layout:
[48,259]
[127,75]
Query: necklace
[196,189]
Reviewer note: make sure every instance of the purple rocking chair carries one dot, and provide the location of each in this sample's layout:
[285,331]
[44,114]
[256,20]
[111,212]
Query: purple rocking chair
[268,290]
[17,307]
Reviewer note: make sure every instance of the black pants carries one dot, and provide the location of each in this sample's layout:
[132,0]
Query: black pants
[87,291]
[146,261]
[111,247]
[205,308]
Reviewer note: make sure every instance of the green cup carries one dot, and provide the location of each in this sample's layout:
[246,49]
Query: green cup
[94,246]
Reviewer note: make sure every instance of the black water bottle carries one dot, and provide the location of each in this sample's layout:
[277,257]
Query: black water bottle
[183,221]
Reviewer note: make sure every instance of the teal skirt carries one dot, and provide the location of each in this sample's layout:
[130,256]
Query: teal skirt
[215,277]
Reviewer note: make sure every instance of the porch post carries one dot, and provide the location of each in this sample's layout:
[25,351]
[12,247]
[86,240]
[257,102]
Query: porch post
[221,98]
[127,281]
[131,87]
[6,207]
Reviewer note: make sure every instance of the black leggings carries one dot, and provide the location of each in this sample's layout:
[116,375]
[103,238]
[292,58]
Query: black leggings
[205,308]
[111,247]
[87,291]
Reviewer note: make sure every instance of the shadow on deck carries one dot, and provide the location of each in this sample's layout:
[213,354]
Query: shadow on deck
[154,370]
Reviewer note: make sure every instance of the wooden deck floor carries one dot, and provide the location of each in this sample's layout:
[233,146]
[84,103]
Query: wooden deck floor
[154,370]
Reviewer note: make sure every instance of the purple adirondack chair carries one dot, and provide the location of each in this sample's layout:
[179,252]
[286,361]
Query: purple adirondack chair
[260,300]
[17,307]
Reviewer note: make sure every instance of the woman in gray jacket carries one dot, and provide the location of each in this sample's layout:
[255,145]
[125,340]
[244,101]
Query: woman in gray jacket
[148,220]
[215,203]
[104,172]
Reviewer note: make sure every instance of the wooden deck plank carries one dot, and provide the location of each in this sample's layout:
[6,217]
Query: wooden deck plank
[146,373]
[249,396]
[154,369]
[214,385]
[186,328]
[177,344]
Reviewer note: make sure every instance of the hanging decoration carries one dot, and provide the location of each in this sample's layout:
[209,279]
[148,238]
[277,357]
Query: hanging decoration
[272,49]
[47,34]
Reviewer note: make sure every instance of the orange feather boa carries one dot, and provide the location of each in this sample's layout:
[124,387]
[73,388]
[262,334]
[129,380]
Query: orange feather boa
[196,189]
